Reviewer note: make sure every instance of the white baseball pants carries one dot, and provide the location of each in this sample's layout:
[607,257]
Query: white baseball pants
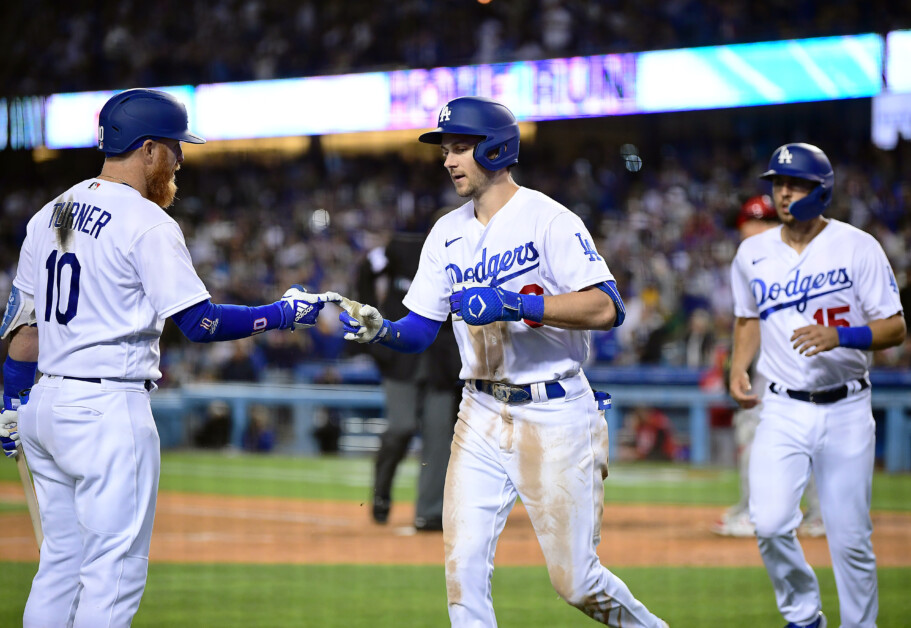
[836,443]
[554,455]
[94,453]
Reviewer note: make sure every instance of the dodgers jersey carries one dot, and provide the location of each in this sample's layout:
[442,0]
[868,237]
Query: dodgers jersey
[532,245]
[106,267]
[842,278]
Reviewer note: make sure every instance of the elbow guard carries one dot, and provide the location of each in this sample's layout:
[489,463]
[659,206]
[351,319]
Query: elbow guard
[610,289]
[20,310]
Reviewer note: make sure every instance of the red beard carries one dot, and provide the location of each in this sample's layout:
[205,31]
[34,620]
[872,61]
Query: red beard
[161,187]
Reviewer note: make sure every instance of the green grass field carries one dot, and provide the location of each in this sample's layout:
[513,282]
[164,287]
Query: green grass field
[408,596]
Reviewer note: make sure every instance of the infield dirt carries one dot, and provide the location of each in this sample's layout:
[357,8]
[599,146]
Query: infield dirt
[212,528]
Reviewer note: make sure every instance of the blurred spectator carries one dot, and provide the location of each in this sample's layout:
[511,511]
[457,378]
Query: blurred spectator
[255,227]
[650,435]
[90,45]
[260,433]
[215,432]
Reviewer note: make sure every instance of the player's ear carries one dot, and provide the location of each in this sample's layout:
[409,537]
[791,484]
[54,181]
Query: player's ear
[147,150]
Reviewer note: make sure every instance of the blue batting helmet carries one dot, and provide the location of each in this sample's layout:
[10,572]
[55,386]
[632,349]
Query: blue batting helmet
[804,161]
[485,118]
[137,114]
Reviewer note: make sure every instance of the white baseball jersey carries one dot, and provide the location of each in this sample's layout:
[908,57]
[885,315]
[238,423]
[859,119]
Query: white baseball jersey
[532,245]
[842,278]
[106,267]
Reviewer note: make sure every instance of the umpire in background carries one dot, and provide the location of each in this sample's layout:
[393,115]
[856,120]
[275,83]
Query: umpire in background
[422,390]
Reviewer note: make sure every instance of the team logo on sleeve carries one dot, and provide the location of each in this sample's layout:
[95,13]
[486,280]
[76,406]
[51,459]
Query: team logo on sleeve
[589,249]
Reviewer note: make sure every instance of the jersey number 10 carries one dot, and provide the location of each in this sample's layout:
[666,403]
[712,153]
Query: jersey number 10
[54,274]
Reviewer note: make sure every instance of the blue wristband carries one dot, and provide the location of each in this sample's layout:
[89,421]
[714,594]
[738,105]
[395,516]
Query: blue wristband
[17,376]
[533,307]
[855,337]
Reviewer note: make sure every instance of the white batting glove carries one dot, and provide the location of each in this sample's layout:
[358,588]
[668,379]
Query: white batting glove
[300,309]
[9,434]
[362,323]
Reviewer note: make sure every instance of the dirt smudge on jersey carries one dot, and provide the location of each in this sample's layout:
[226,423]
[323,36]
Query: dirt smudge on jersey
[63,232]
[487,342]
[454,491]
[507,429]
[545,467]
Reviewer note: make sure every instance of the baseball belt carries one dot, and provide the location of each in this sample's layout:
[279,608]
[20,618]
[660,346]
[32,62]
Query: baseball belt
[97,380]
[511,393]
[819,397]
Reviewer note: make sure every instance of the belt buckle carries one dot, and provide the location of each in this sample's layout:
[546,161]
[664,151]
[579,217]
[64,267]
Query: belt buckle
[505,393]
[501,392]
[812,398]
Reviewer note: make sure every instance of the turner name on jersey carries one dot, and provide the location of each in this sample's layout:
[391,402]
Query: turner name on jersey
[83,217]
[105,267]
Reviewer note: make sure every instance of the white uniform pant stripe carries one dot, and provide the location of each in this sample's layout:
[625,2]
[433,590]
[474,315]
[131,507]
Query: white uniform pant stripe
[94,453]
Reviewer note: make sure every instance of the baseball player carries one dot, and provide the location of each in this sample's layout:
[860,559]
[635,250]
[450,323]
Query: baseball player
[814,297]
[528,424]
[101,268]
[757,214]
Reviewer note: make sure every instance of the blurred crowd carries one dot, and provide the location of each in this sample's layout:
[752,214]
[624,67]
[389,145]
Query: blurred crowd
[255,227]
[88,45]
[668,233]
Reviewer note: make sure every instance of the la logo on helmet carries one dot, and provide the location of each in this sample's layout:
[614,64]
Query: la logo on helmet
[445,113]
[784,157]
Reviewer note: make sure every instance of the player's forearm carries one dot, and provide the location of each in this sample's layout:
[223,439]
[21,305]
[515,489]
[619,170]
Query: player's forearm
[888,332]
[207,322]
[589,308]
[411,334]
[23,345]
[746,344]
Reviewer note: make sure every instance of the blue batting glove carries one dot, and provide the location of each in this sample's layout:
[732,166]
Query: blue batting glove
[301,308]
[485,305]
[9,434]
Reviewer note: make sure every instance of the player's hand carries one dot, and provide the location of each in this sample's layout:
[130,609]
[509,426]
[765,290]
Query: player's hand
[814,339]
[741,390]
[362,323]
[301,308]
[9,434]
[483,305]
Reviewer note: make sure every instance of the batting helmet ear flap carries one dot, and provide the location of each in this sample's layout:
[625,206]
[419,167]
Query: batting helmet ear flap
[498,152]
[813,204]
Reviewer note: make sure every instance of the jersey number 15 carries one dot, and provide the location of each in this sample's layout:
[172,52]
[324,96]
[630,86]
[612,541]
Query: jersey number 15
[55,273]
[831,316]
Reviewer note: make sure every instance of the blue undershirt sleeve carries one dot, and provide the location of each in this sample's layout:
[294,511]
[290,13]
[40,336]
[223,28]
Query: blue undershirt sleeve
[411,334]
[207,322]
